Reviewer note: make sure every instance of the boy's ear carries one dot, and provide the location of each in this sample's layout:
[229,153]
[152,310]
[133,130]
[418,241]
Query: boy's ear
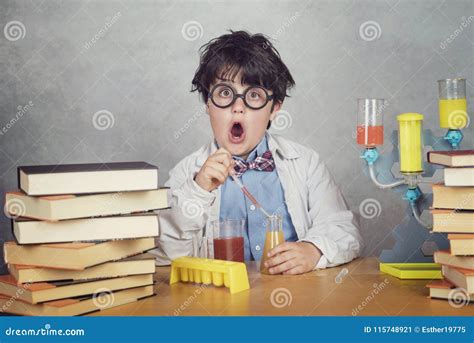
[276,108]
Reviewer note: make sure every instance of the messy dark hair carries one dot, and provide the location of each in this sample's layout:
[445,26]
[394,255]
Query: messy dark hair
[253,55]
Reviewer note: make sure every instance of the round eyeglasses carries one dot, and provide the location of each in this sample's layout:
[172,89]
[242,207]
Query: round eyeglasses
[254,97]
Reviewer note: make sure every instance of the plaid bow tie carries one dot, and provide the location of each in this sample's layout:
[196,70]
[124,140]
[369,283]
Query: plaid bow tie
[262,163]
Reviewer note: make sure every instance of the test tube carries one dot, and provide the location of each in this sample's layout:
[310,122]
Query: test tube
[452,104]
[410,143]
[370,122]
[202,247]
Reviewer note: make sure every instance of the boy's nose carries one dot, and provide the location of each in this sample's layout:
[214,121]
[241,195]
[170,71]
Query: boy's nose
[238,106]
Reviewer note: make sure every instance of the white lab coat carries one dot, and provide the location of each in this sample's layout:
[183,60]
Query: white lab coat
[317,208]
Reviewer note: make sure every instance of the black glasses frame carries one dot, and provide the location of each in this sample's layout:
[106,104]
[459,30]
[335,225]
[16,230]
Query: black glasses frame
[242,96]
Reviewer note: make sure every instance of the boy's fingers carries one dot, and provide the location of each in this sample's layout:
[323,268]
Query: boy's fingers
[222,158]
[280,258]
[281,248]
[216,174]
[224,151]
[219,167]
[223,154]
[281,268]
[294,271]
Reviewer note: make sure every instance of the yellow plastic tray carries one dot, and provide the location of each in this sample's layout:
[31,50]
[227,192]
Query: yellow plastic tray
[412,270]
[232,275]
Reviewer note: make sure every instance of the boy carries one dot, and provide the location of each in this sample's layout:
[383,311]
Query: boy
[243,82]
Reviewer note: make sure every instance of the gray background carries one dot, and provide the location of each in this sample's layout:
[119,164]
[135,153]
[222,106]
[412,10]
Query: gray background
[141,66]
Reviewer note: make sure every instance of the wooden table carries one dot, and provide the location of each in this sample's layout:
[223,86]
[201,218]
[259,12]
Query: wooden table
[363,290]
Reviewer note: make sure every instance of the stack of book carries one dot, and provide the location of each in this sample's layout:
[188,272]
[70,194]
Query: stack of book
[81,234]
[453,214]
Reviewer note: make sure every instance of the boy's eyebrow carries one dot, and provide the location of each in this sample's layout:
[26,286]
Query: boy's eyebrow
[229,81]
[221,80]
[224,79]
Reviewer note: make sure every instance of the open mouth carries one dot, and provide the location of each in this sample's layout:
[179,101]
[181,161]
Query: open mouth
[237,133]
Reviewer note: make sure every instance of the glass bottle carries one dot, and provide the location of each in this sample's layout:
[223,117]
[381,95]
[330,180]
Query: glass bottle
[273,237]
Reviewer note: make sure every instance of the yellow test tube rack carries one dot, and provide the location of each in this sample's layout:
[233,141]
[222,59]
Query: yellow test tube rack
[232,275]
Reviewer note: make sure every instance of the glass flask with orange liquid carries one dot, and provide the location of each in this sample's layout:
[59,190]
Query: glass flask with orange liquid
[273,237]
[370,122]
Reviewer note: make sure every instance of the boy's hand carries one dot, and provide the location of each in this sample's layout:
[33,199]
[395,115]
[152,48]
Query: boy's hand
[215,170]
[293,258]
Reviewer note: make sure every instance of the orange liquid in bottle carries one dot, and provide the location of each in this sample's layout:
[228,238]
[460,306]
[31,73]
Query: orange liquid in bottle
[272,239]
[371,136]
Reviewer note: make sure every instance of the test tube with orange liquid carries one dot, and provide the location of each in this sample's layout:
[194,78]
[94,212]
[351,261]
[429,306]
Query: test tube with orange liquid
[370,122]
[273,237]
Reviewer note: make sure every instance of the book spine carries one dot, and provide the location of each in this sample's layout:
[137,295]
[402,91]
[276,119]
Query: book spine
[18,177]
[12,228]
[5,254]
[428,157]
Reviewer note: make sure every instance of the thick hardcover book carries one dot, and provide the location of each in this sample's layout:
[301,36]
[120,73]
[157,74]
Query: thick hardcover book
[75,256]
[75,306]
[46,291]
[60,207]
[87,178]
[452,158]
[88,229]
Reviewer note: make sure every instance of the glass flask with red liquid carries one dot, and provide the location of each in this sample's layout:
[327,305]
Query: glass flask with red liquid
[228,239]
